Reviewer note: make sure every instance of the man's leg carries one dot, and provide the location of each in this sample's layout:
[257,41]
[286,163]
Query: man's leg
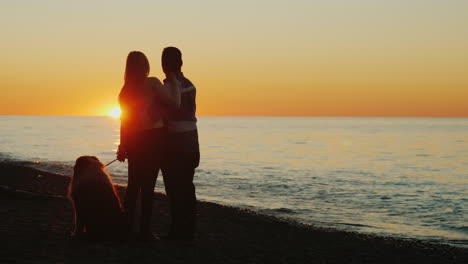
[168,170]
[185,198]
[181,159]
[187,203]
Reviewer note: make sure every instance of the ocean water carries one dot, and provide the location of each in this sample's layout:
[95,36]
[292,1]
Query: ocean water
[403,177]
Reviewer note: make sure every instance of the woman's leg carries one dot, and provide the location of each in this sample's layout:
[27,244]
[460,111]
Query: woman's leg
[151,164]
[147,191]
[131,195]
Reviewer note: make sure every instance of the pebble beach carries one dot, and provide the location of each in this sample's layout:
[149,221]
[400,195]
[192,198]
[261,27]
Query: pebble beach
[37,220]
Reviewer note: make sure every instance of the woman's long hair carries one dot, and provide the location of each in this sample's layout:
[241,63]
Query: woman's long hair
[136,70]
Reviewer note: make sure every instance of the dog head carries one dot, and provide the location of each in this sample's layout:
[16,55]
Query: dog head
[88,170]
[85,165]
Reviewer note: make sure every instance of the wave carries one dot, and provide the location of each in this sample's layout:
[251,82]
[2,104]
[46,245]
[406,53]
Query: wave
[462,229]
[281,210]
[356,225]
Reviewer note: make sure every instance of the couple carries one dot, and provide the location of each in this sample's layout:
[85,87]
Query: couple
[159,132]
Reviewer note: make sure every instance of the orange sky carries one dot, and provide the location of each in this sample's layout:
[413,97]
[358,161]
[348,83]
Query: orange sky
[268,58]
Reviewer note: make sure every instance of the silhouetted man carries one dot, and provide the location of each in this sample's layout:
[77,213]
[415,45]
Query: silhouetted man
[182,155]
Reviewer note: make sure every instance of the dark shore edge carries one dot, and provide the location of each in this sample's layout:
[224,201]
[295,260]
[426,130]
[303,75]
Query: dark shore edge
[37,220]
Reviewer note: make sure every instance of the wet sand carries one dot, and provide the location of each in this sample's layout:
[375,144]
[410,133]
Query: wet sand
[36,222]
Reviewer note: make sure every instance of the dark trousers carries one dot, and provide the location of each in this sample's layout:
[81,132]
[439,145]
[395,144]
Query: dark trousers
[181,157]
[144,162]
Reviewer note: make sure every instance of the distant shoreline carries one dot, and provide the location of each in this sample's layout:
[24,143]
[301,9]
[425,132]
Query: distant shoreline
[264,116]
[36,210]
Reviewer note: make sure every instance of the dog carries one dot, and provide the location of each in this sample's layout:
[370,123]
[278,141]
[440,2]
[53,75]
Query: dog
[97,208]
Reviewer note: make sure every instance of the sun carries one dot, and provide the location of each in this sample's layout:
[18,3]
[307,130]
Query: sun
[115,112]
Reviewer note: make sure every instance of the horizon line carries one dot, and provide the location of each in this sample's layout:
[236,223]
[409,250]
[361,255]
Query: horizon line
[317,116]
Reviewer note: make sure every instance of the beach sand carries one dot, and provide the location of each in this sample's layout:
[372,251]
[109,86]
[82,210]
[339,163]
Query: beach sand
[36,222]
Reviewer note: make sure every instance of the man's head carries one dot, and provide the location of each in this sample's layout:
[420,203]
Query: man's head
[171,60]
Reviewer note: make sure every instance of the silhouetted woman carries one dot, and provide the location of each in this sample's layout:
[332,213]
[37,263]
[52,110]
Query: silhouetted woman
[142,135]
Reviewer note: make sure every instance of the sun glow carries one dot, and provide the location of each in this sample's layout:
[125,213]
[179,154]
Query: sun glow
[115,112]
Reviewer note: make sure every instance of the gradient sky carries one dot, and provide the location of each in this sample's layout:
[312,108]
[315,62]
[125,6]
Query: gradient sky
[246,57]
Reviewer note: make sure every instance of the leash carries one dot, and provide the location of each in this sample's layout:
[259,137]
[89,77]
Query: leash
[110,163]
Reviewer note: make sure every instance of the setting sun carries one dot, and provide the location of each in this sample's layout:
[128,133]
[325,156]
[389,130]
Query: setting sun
[115,112]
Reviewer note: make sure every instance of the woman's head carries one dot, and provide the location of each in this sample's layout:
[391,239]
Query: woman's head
[137,67]
[136,70]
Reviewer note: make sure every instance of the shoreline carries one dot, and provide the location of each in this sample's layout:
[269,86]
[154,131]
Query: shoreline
[62,169]
[35,207]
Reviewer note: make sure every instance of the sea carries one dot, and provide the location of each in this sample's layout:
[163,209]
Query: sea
[399,177]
